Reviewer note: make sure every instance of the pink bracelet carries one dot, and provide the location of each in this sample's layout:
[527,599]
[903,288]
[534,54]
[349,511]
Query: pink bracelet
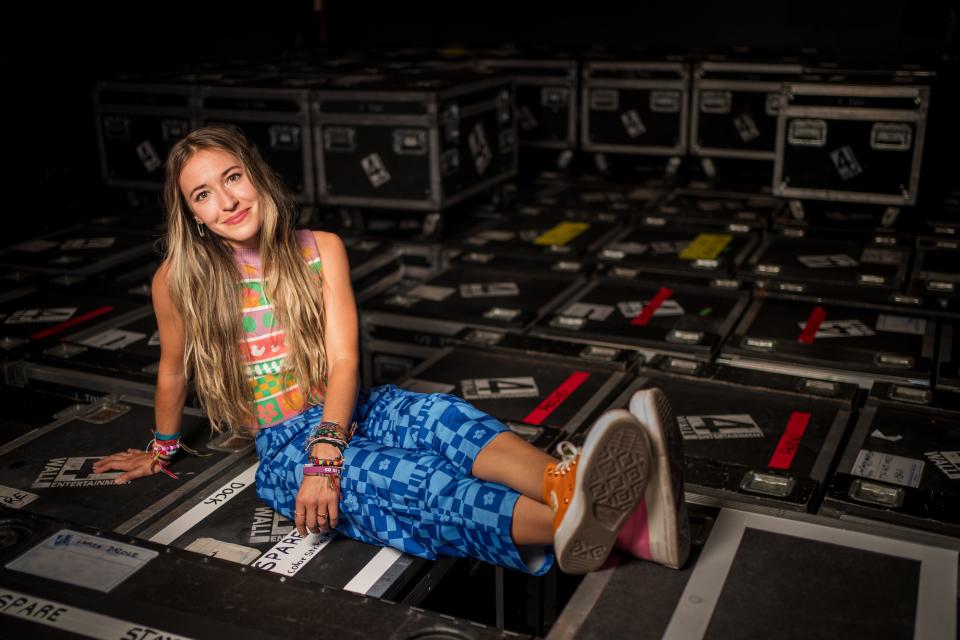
[320,470]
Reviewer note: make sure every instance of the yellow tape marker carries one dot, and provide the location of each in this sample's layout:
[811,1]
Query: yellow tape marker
[706,246]
[562,233]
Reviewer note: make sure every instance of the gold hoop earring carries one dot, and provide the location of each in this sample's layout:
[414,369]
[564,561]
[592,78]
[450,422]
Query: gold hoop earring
[199,228]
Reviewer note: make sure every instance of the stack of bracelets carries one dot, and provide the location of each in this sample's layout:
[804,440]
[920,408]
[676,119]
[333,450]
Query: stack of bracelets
[327,432]
[163,446]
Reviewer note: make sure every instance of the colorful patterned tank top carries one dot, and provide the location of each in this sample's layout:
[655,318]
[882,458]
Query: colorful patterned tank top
[276,394]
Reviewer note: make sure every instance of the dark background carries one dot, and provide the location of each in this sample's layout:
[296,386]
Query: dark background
[52,53]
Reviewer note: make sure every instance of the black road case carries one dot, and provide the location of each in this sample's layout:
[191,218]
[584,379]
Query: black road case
[656,243]
[542,389]
[651,314]
[409,322]
[735,107]
[137,123]
[52,466]
[742,211]
[936,272]
[879,262]
[79,251]
[852,142]
[948,372]
[758,440]
[227,520]
[635,107]
[67,581]
[374,266]
[759,576]
[413,141]
[902,464]
[844,342]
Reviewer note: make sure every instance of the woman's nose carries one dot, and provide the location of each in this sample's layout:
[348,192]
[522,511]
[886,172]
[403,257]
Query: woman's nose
[227,200]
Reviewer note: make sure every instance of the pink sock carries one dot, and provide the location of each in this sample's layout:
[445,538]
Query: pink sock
[634,536]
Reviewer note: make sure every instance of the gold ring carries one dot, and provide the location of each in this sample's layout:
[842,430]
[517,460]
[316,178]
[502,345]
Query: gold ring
[322,515]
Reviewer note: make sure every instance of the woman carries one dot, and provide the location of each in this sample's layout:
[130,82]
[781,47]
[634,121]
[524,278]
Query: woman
[263,318]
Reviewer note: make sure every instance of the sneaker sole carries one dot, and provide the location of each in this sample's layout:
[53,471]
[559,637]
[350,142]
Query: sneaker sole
[610,482]
[667,520]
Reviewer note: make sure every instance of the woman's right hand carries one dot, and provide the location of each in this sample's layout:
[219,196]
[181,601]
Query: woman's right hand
[135,463]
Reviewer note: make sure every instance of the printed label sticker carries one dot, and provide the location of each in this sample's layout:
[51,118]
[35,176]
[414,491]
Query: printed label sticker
[630,248]
[901,324]
[719,427]
[846,162]
[83,560]
[269,526]
[633,123]
[948,462]
[148,156]
[872,255]
[496,235]
[746,127]
[33,246]
[561,234]
[88,243]
[41,316]
[15,498]
[668,308]
[598,312]
[113,339]
[886,467]
[827,261]
[496,388]
[154,340]
[292,553]
[664,247]
[480,148]
[73,472]
[876,433]
[426,386]
[376,171]
[489,290]
[230,551]
[432,292]
[706,246]
[841,329]
[526,119]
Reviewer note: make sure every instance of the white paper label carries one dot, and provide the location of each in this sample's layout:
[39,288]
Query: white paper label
[479,148]
[841,329]
[746,127]
[901,324]
[633,123]
[224,550]
[827,261]
[113,339]
[431,292]
[426,386]
[846,163]
[496,235]
[88,243]
[876,433]
[15,498]
[376,171]
[630,248]
[40,316]
[489,290]
[292,553]
[148,156]
[948,462]
[75,621]
[495,388]
[668,308]
[719,427]
[73,472]
[873,255]
[598,312]
[33,246]
[888,468]
[83,560]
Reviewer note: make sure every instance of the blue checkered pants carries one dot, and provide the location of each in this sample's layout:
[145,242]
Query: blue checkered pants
[406,481]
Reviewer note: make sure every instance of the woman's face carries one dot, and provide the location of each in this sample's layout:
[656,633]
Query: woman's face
[222,197]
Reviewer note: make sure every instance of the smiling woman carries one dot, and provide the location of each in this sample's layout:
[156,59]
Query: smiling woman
[263,317]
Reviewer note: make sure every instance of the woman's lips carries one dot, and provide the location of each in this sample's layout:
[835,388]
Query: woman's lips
[234,219]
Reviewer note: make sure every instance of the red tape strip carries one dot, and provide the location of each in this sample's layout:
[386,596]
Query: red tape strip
[817,316]
[555,399]
[790,440]
[72,322]
[651,307]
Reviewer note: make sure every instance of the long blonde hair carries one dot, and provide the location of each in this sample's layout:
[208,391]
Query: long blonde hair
[204,277]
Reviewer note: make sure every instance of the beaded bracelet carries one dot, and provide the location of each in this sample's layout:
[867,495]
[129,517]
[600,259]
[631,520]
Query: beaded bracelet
[336,462]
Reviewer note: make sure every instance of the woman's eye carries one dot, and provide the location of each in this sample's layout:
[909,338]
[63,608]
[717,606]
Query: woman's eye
[201,196]
[233,177]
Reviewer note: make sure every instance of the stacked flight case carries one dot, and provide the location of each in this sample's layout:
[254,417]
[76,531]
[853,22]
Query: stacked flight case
[420,141]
